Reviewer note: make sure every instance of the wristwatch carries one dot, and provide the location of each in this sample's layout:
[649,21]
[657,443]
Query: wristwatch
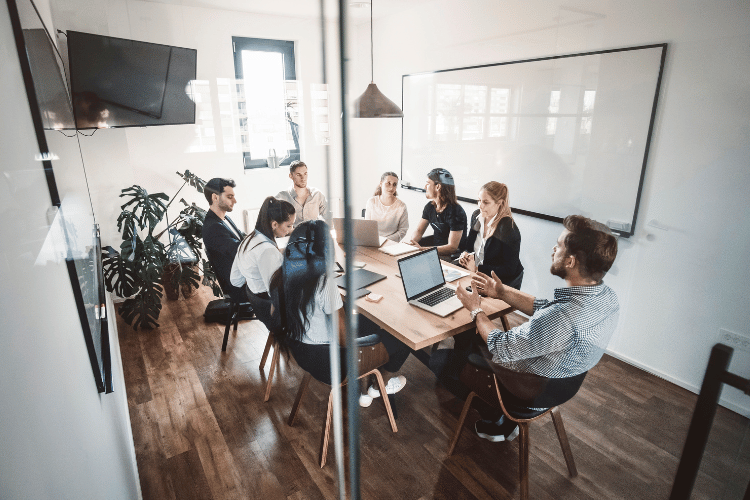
[475,312]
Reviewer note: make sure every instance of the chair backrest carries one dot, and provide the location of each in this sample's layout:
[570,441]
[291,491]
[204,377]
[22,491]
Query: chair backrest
[534,391]
[521,390]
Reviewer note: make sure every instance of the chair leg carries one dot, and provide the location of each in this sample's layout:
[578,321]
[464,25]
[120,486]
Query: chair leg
[301,392]
[562,436]
[326,431]
[232,318]
[274,364]
[236,316]
[269,343]
[461,420]
[387,403]
[226,329]
[504,321]
[523,459]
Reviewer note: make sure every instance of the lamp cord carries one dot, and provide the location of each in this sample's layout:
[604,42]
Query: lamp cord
[372,57]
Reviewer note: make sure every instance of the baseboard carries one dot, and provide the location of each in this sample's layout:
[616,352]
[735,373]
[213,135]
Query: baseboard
[729,405]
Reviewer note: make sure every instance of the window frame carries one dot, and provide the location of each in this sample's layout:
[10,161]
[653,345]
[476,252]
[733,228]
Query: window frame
[284,47]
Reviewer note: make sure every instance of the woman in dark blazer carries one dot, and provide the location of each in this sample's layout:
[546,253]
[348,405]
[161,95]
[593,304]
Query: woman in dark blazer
[494,241]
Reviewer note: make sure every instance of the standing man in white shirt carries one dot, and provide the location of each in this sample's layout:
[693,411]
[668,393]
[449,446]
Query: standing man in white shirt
[309,202]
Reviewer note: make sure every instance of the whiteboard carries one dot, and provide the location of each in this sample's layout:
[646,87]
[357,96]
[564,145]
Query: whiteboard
[567,134]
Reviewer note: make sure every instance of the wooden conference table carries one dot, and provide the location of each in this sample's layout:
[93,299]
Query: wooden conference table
[415,327]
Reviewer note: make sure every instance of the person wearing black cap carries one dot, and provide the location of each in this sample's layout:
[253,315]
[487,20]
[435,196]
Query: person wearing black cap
[220,235]
[443,213]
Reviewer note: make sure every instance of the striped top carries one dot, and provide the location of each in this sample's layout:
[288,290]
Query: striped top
[564,337]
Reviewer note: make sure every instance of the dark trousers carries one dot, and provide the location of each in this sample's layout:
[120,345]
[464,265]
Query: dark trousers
[447,365]
[315,358]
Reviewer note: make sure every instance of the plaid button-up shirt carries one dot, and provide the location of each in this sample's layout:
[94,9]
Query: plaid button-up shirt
[564,337]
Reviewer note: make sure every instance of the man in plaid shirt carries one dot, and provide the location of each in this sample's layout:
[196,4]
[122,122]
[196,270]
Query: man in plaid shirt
[565,336]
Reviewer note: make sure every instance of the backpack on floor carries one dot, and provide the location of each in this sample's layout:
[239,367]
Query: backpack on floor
[217,311]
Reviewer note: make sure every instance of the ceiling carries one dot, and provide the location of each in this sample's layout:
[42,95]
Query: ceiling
[359,10]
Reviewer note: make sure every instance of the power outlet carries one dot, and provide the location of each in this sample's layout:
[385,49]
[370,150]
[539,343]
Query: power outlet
[734,340]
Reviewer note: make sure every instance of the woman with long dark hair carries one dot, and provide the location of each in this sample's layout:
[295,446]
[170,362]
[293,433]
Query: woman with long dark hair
[307,299]
[387,209]
[443,213]
[494,241]
[258,256]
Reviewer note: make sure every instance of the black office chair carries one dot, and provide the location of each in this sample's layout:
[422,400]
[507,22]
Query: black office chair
[239,308]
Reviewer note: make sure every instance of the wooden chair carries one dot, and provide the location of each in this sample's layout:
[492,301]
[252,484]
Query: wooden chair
[507,390]
[371,356]
[264,309]
[270,342]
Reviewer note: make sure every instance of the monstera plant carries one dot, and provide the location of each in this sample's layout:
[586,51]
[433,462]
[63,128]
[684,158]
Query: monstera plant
[149,263]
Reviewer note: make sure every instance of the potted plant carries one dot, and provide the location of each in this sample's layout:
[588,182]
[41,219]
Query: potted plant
[145,266]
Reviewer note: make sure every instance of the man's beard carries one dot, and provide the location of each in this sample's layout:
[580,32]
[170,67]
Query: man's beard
[558,269]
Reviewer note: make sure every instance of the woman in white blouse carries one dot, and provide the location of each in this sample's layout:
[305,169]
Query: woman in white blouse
[258,256]
[387,209]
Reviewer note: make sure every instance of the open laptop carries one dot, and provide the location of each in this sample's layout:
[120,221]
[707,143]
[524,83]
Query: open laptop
[365,232]
[424,283]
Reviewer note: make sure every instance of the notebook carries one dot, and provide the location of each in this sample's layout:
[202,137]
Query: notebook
[398,249]
[365,232]
[424,283]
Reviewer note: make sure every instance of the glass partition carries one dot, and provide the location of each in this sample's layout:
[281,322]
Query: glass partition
[73,235]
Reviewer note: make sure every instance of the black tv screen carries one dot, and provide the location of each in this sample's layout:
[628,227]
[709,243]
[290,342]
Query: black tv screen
[126,83]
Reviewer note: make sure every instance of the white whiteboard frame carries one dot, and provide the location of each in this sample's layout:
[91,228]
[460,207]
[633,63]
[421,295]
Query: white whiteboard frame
[638,155]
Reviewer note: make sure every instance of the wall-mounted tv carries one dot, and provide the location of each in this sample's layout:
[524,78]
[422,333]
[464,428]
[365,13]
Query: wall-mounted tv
[126,83]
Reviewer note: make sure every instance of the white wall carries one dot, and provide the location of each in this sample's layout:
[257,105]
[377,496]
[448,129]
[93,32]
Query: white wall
[677,286]
[59,437]
[149,157]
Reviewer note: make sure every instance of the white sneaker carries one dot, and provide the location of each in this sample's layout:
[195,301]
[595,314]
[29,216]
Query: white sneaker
[365,400]
[394,385]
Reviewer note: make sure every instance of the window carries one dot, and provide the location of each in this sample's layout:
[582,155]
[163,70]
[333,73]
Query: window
[266,101]
[468,112]
[554,108]
[589,96]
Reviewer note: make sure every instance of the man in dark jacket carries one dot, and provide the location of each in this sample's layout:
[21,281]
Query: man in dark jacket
[220,235]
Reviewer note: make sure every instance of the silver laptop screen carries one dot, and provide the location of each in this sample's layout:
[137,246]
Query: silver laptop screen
[421,272]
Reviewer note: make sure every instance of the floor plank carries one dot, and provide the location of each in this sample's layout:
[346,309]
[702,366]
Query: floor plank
[202,430]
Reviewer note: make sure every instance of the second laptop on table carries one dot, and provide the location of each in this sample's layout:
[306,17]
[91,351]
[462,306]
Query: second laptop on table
[364,232]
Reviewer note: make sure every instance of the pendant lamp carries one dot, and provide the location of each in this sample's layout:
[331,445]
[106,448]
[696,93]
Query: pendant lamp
[372,103]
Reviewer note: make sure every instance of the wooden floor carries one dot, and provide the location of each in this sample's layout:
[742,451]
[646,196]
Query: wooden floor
[202,431]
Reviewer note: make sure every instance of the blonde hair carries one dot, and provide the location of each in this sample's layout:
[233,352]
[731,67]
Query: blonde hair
[499,194]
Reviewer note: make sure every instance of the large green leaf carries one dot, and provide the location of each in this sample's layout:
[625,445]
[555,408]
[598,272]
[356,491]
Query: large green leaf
[192,179]
[192,230]
[142,310]
[119,274]
[126,224]
[182,277]
[148,208]
[209,278]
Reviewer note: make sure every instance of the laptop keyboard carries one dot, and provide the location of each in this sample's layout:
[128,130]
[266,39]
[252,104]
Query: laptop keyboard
[438,296]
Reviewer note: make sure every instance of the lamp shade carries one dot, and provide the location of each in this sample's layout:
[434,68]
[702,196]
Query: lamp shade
[373,104]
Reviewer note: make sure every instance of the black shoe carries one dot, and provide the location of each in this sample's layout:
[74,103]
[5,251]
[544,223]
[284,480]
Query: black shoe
[491,431]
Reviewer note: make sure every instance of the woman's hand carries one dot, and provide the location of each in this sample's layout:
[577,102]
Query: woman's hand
[412,243]
[467,261]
